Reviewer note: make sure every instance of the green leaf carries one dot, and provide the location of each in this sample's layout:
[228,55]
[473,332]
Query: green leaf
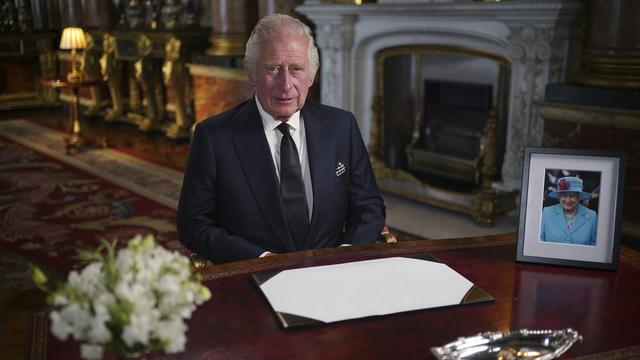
[38,277]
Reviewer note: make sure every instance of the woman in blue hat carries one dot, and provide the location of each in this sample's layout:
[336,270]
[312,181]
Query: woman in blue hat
[569,221]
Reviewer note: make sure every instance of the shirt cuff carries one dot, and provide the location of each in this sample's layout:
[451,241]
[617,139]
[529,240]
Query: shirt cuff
[264,254]
[341,245]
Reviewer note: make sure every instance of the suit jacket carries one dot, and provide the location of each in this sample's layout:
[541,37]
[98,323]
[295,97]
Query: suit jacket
[554,227]
[230,205]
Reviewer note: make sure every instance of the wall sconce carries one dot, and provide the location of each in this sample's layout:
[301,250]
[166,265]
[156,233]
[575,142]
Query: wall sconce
[73,39]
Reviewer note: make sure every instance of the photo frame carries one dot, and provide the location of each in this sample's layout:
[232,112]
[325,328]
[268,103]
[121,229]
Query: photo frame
[571,207]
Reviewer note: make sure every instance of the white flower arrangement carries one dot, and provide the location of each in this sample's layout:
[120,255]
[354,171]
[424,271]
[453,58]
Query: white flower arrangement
[132,302]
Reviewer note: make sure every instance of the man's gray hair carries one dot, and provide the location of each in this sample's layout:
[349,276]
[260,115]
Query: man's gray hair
[277,25]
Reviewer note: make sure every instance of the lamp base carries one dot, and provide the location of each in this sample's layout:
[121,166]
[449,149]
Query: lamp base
[74,77]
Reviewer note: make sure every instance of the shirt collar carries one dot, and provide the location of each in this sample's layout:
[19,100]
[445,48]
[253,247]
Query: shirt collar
[269,123]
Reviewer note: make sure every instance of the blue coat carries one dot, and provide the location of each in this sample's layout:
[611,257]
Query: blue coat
[230,206]
[554,227]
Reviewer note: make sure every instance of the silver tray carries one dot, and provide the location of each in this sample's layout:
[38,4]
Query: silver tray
[511,345]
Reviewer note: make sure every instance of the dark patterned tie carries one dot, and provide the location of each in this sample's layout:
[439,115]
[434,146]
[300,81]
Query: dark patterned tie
[292,188]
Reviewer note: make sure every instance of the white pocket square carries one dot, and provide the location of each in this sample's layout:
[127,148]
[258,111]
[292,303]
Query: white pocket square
[340,168]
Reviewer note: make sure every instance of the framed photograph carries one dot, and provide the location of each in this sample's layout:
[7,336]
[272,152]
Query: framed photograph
[571,207]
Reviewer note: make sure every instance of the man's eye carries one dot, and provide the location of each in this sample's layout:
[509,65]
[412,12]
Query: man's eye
[273,68]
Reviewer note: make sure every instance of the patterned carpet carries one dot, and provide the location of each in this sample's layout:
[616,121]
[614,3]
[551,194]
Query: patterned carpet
[52,204]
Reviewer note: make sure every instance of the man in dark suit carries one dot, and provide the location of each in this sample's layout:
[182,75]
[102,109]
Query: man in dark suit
[276,173]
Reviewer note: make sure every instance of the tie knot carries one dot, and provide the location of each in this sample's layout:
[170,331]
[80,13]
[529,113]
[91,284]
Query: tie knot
[284,128]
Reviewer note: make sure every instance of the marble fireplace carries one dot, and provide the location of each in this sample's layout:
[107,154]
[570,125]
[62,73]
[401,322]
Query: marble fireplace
[533,39]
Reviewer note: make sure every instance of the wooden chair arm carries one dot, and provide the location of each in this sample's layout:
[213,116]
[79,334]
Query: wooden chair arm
[387,236]
[199,262]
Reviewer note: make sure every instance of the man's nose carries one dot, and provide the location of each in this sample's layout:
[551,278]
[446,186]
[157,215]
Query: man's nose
[285,79]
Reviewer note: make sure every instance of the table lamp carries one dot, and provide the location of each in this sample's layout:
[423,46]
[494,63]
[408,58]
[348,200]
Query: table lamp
[73,39]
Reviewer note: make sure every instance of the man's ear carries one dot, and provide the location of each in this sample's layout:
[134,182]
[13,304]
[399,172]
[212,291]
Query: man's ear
[250,73]
[312,78]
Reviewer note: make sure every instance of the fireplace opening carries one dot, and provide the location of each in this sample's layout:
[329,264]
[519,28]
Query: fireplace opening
[448,143]
[436,103]
[439,127]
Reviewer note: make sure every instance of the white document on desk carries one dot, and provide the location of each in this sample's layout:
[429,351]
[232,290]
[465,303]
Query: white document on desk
[365,288]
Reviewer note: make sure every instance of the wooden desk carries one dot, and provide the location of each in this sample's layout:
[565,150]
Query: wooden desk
[238,323]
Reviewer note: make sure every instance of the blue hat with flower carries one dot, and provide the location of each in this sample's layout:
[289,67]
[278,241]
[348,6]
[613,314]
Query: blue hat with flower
[569,184]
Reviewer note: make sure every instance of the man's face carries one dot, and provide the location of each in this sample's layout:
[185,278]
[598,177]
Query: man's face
[569,200]
[283,75]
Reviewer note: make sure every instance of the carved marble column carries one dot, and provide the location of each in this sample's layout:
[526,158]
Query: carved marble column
[231,24]
[335,38]
[538,56]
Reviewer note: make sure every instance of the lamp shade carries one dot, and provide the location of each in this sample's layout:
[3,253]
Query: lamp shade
[73,38]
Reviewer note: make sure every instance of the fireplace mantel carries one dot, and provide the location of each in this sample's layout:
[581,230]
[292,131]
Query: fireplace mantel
[534,35]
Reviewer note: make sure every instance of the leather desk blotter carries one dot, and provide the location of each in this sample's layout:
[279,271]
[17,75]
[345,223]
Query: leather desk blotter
[330,293]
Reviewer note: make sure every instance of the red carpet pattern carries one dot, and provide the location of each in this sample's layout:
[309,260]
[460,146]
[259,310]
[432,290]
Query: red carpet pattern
[52,204]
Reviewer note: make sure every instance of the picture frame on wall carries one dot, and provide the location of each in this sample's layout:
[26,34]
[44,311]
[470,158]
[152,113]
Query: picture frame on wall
[571,207]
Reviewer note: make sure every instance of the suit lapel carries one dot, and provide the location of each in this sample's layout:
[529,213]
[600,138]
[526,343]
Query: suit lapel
[256,161]
[322,157]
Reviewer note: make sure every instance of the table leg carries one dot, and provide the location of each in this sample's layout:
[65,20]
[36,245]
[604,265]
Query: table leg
[74,138]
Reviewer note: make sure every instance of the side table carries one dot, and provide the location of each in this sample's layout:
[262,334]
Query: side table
[74,140]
